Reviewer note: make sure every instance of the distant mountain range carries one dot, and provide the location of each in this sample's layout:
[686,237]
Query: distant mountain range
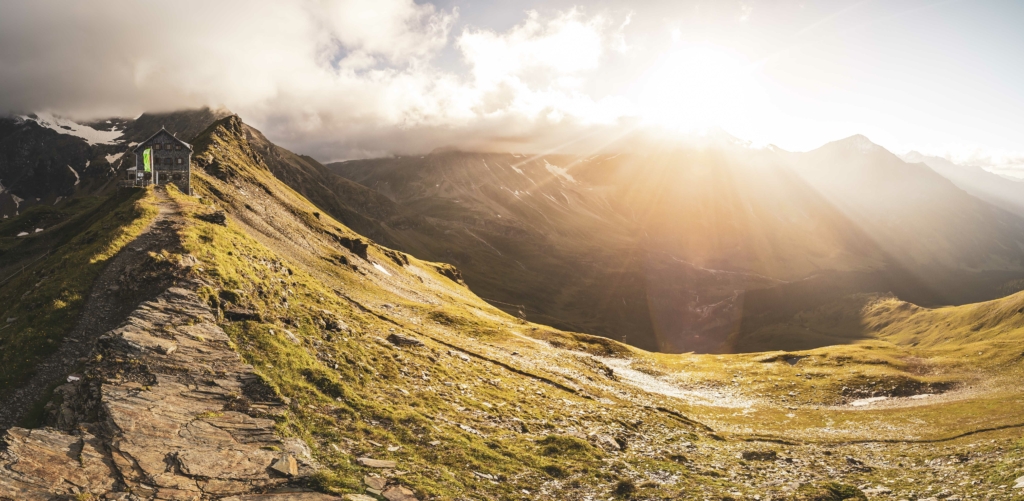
[992,188]
[684,249]
[672,249]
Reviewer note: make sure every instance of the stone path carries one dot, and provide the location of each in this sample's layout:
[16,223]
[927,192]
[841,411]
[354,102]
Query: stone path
[164,409]
[117,291]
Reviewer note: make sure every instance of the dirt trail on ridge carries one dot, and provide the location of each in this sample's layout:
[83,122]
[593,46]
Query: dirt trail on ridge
[118,290]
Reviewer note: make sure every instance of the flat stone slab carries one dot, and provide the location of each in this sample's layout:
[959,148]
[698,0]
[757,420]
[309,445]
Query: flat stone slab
[399,493]
[291,496]
[359,497]
[377,463]
[238,464]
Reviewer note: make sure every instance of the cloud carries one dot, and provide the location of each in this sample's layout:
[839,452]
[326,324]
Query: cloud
[1008,163]
[399,30]
[335,79]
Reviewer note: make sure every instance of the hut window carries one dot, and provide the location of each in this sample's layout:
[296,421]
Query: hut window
[177,147]
[180,161]
[156,146]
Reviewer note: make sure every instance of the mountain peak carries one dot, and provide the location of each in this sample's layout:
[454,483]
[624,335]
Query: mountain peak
[858,142]
[916,157]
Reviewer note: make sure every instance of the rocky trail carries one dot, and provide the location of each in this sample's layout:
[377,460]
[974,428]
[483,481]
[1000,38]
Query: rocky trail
[117,291]
[171,412]
[160,407]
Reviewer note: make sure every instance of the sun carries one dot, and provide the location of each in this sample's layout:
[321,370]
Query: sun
[694,87]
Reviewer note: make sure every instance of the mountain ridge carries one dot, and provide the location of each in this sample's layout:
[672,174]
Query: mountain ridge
[491,191]
[575,242]
[997,190]
[294,338]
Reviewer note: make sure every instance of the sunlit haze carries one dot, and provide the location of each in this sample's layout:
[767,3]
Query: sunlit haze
[352,79]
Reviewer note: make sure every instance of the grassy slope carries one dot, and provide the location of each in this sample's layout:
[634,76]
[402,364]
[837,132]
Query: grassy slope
[491,394]
[41,304]
[476,398]
[584,256]
[876,316]
[493,407]
[969,355]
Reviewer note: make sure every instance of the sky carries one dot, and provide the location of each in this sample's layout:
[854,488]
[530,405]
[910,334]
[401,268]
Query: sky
[360,78]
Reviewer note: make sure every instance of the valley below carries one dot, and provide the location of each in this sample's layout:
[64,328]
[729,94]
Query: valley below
[407,331]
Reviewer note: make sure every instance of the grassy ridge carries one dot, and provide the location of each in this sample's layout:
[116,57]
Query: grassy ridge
[493,407]
[459,414]
[866,317]
[1000,320]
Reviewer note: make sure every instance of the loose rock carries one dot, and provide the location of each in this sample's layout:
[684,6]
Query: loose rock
[216,217]
[240,314]
[286,465]
[402,340]
[760,455]
[399,493]
[358,497]
[606,442]
[377,463]
[375,482]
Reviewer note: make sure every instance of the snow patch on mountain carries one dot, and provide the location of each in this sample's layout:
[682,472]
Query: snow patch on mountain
[77,178]
[559,171]
[71,128]
[113,158]
[382,269]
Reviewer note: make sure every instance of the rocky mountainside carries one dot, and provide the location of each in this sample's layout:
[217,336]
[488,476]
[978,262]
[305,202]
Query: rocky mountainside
[677,250]
[288,357]
[917,217]
[176,392]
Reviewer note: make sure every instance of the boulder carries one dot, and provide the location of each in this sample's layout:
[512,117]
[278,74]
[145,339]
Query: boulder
[241,314]
[293,496]
[357,246]
[759,455]
[215,217]
[176,422]
[450,272]
[226,464]
[402,340]
[286,465]
[606,442]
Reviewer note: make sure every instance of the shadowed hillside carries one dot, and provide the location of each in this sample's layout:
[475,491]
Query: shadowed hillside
[715,241]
